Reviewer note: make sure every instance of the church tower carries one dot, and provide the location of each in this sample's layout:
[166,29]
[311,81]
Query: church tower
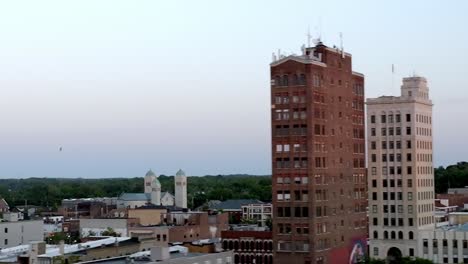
[149,177]
[180,181]
[156,192]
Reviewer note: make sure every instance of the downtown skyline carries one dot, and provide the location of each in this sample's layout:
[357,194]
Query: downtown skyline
[181,85]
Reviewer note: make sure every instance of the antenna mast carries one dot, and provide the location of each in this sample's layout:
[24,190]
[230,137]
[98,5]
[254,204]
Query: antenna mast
[341,45]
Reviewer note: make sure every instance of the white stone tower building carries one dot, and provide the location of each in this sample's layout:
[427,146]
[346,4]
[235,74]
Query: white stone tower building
[156,192]
[149,178]
[180,181]
[400,176]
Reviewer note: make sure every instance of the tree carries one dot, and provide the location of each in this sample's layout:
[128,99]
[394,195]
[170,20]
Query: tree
[110,232]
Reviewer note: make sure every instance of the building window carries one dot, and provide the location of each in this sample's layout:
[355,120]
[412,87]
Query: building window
[410,235]
[384,131]
[373,131]
[410,183]
[372,118]
[285,80]
[6,230]
[408,131]
[410,196]
[408,117]
[408,144]
[398,118]
[383,118]
[411,253]
[376,251]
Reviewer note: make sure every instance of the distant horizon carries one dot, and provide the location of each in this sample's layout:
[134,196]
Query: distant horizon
[111,88]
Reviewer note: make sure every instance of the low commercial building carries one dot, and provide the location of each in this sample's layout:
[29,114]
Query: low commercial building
[95,227]
[20,232]
[149,215]
[86,207]
[90,251]
[259,212]
[234,208]
[249,246]
[448,244]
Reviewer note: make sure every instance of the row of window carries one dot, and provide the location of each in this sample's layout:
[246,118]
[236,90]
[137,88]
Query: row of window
[285,163]
[285,80]
[391,183]
[390,118]
[285,130]
[247,245]
[285,195]
[295,147]
[285,99]
[423,131]
[391,157]
[392,170]
[283,114]
[393,222]
[423,119]
[286,229]
[393,235]
[391,131]
[392,196]
[392,209]
[297,212]
[391,144]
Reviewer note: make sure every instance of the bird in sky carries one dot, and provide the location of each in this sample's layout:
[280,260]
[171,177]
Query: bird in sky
[60,149]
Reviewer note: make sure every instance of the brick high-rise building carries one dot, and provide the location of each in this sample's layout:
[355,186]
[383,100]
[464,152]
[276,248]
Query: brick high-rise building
[401,174]
[318,155]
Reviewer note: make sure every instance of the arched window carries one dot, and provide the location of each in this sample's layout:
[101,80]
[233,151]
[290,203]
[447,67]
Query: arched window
[393,235]
[236,245]
[400,235]
[277,80]
[385,234]
[225,245]
[410,235]
[252,245]
[302,79]
[285,81]
[242,246]
[230,245]
[259,259]
[242,259]
[376,235]
[236,259]
[295,80]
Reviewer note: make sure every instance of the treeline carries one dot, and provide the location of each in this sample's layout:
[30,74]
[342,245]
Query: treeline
[49,192]
[453,176]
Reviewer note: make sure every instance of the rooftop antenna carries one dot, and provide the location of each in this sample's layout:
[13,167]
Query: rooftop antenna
[341,45]
[320,30]
[309,36]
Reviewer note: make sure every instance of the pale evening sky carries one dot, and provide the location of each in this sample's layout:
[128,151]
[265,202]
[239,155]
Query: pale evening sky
[124,86]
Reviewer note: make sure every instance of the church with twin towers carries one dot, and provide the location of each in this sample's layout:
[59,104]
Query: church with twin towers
[153,188]
[154,195]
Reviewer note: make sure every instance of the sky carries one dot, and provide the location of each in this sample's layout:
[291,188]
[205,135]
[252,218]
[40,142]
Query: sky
[125,86]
